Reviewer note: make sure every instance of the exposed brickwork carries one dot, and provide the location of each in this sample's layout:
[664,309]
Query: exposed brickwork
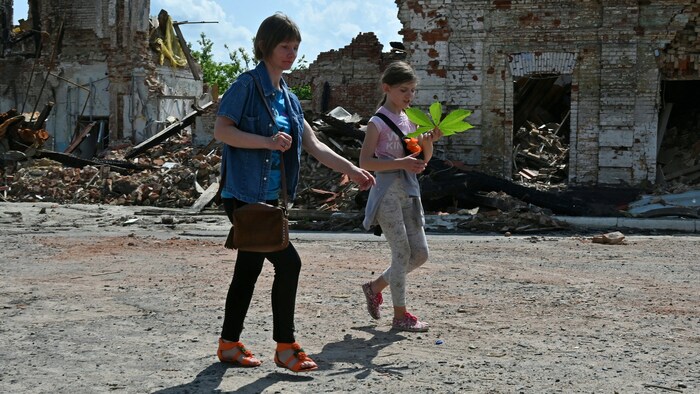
[103,67]
[347,77]
[616,52]
[680,58]
[466,53]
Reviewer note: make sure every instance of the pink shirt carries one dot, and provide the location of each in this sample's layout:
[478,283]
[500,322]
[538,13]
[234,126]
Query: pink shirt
[389,145]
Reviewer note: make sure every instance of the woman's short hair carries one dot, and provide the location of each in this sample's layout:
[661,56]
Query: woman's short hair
[273,30]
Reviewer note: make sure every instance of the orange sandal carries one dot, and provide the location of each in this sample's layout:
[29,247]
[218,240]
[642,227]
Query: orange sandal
[243,357]
[296,358]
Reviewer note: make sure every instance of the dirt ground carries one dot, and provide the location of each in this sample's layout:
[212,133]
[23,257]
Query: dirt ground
[100,299]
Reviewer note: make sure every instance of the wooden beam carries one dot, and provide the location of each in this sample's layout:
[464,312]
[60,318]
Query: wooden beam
[78,139]
[39,124]
[186,50]
[168,131]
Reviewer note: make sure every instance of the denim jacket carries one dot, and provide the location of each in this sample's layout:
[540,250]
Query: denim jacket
[247,170]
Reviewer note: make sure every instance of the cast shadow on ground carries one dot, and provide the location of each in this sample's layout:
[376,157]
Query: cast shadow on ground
[359,352]
[209,380]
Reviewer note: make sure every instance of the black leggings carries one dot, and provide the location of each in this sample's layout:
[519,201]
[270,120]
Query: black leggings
[287,265]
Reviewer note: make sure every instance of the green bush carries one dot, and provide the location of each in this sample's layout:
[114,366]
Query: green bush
[220,73]
[303,92]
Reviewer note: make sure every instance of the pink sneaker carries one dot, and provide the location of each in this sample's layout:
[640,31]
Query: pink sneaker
[409,323]
[373,300]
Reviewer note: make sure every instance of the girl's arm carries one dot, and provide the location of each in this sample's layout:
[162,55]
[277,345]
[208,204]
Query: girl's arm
[334,161]
[426,140]
[371,163]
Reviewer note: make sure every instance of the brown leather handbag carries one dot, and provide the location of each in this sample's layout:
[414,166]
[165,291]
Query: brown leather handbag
[261,227]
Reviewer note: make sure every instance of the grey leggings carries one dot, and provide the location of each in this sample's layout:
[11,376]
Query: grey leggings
[402,226]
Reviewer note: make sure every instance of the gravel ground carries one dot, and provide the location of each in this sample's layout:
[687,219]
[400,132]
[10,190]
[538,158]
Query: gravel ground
[100,299]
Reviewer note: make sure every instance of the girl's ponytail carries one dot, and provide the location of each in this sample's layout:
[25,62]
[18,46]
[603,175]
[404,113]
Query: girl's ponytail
[382,102]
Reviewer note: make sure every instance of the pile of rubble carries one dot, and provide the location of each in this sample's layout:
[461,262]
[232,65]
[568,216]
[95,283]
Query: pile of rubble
[540,155]
[168,177]
[679,152]
[542,129]
[171,172]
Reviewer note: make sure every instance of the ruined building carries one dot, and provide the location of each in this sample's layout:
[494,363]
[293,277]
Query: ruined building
[101,61]
[623,73]
[616,81]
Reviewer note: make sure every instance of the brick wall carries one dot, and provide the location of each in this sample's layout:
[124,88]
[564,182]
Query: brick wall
[348,77]
[467,54]
[103,67]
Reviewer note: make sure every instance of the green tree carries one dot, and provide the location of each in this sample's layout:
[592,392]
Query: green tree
[303,92]
[221,74]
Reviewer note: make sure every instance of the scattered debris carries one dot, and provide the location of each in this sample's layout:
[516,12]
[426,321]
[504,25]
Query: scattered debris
[613,238]
[168,171]
[685,204]
[541,120]
[169,131]
[540,155]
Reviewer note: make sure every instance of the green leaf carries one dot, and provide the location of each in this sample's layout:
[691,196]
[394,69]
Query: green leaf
[456,128]
[436,112]
[420,130]
[418,117]
[453,122]
[455,116]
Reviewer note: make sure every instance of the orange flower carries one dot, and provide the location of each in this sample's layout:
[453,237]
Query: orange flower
[412,145]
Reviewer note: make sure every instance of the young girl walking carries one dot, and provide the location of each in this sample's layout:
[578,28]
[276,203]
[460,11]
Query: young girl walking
[394,202]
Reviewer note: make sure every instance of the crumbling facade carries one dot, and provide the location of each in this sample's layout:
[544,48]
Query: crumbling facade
[625,68]
[619,61]
[618,55]
[349,76]
[95,62]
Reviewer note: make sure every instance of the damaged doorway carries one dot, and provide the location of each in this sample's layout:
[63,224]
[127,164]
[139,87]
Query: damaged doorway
[96,140]
[678,141]
[541,128]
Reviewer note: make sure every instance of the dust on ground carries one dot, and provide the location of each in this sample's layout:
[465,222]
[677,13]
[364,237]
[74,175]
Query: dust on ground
[100,299]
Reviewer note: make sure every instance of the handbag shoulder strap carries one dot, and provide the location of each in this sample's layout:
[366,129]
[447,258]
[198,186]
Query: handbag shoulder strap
[272,116]
[396,130]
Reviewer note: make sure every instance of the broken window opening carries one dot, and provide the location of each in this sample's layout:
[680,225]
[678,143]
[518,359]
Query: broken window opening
[96,139]
[678,140]
[541,128]
[20,29]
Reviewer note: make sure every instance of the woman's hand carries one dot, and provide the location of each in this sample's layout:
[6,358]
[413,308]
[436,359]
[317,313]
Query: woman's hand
[280,141]
[363,178]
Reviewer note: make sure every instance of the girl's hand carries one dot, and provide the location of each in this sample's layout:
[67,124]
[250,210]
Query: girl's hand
[411,164]
[431,136]
[280,141]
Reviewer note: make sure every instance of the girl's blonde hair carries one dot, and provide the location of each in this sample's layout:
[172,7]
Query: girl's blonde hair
[397,73]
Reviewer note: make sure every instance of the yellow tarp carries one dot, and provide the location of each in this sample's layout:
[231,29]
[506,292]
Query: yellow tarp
[167,45]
